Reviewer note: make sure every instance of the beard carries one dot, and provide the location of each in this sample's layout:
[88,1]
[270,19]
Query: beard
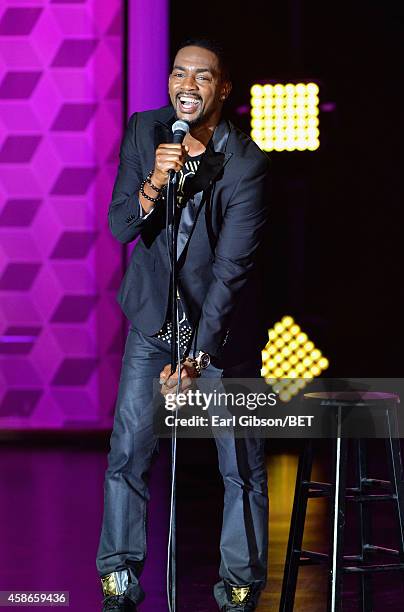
[198,120]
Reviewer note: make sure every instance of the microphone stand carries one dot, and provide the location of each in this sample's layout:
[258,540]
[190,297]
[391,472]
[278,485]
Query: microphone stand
[179,129]
[172,233]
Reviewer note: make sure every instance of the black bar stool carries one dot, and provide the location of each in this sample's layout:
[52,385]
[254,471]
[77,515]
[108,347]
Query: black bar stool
[342,404]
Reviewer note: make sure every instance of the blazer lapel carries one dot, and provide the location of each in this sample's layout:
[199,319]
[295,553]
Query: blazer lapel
[214,160]
[162,132]
[197,188]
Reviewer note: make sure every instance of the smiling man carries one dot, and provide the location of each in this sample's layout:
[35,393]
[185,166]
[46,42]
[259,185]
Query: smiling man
[197,105]
[222,205]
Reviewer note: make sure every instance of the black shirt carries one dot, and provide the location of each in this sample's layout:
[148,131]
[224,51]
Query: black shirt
[187,171]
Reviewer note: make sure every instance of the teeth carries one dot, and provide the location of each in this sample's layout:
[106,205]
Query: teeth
[184,99]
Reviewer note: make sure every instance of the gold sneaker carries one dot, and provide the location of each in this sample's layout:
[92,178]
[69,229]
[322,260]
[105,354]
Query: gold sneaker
[240,598]
[114,586]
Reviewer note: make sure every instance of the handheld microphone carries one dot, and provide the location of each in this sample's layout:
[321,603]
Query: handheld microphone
[180,130]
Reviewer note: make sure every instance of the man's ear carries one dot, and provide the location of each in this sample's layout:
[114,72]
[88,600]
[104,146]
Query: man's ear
[226,89]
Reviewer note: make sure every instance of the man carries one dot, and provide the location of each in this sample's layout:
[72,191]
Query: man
[221,195]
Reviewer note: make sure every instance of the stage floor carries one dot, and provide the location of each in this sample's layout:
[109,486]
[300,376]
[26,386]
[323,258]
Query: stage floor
[51,511]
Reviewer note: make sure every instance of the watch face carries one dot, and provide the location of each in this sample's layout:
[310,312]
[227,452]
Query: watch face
[204,360]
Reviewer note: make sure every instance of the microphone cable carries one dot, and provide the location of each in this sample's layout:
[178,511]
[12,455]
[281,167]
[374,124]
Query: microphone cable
[171,551]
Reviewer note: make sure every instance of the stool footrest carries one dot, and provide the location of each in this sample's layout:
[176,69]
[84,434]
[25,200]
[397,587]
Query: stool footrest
[316,489]
[381,549]
[367,569]
[318,485]
[370,482]
[310,557]
[376,482]
[371,498]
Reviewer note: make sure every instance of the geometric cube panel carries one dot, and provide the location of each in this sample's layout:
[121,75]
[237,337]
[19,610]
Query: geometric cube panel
[61,333]
[19,85]
[19,339]
[74,245]
[74,309]
[18,149]
[75,371]
[74,117]
[73,181]
[19,21]
[19,276]
[74,53]
[20,402]
[19,212]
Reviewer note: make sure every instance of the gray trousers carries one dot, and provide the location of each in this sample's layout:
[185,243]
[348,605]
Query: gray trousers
[244,536]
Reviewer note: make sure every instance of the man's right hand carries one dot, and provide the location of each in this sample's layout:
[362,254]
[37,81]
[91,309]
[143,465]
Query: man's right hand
[168,157]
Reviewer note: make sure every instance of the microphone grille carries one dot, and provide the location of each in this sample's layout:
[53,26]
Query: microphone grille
[180,126]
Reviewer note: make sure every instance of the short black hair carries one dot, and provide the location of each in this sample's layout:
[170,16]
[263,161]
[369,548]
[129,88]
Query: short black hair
[211,45]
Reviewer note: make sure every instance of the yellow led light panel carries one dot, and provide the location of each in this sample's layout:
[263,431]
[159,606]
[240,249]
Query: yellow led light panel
[285,117]
[290,360]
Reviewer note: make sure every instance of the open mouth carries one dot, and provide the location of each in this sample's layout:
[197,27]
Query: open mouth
[188,104]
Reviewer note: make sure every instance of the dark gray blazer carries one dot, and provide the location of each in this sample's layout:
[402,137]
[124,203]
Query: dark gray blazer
[219,238]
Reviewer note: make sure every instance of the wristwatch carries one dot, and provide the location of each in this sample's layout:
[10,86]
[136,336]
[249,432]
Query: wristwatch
[202,360]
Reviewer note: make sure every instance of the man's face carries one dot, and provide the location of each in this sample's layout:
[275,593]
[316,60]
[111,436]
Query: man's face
[196,88]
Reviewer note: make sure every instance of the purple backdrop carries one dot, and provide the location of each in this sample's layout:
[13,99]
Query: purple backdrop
[148,48]
[61,125]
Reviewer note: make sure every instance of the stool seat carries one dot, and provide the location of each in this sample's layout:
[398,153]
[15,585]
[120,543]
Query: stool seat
[364,494]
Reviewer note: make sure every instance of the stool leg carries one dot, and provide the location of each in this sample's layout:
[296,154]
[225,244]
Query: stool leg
[296,530]
[338,519]
[394,459]
[364,526]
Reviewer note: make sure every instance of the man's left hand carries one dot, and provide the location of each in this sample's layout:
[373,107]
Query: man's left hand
[169,383]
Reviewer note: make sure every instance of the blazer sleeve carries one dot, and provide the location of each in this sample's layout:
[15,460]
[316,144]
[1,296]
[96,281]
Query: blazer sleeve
[242,231]
[124,214]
